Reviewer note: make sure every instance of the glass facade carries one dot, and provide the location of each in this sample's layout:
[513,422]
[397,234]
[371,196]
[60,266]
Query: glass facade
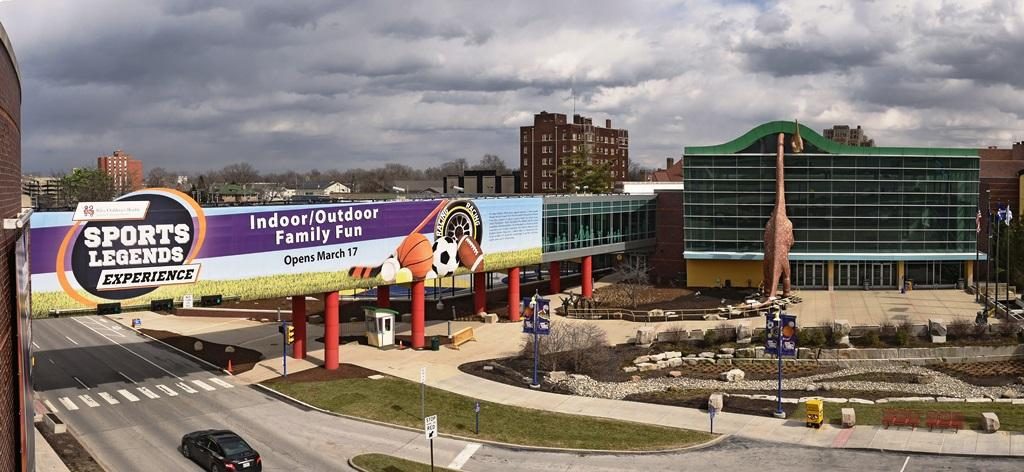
[840,204]
[581,222]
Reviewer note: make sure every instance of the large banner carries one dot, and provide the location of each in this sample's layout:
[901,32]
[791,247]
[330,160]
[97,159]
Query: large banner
[159,243]
[789,335]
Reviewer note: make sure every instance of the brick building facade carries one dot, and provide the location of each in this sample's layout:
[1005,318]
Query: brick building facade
[543,146]
[123,169]
[16,434]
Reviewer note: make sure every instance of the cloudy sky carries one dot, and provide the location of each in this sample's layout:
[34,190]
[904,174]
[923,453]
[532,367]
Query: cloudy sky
[198,84]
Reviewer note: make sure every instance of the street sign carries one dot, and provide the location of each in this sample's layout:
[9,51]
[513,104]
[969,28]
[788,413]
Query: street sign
[186,301]
[430,426]
[136,323]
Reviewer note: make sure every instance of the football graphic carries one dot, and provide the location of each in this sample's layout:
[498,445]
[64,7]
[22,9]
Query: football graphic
[471,255]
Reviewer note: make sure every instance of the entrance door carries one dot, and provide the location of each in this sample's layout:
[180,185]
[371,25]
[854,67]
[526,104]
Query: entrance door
[881,275]
[387,332]
[849,274]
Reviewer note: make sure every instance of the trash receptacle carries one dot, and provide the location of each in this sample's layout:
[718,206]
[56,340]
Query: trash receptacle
[435,343]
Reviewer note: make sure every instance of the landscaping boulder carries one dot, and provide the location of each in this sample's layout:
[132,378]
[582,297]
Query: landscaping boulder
[578,377]
[727,350]
[924,379]
[630,369]
[805,353]
[656,313]
[488,368]
[990,422]
[717,401]
[849,417]
[723,356]
[662,364]
[734,375]
[657,357]
[744,353]
[642,359]
[645,336]
[811,388]
[937,330]
[674,362]
[707,355]
[675,373]
[489,318]
[673,354]
[696,334]
[841,332]
[1009,393]
[635,378]
[743,334]
[646,366]
[557,376]
[691,361]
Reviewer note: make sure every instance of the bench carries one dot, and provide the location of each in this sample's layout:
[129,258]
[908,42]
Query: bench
[462,336]
[894,417]
[945,420]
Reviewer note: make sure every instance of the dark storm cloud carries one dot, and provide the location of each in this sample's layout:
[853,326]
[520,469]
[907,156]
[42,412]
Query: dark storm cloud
[784,60]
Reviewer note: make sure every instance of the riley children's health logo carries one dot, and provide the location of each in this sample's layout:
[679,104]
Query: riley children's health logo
[132,246]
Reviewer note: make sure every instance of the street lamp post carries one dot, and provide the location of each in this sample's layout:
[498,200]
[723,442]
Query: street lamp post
[536,339]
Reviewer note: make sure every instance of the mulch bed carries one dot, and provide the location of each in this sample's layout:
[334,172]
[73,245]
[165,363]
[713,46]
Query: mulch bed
[757,371]
[70,451]
[509,372]
[242,359]
[344,371]
[984,374]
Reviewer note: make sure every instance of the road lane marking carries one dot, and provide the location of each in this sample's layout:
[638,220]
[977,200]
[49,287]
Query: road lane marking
[167,390]
[72,340]
[147,392]
[203,385]
[35,345]
[81,383]
[905,464]
[126,377]
[128,395]
[109,398]
[129,350]
[221,382]
[50,406]
[184,386]
[88,401]
[68,404]
[463,457]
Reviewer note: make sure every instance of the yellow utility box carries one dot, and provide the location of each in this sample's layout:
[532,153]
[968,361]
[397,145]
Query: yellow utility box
[815,413]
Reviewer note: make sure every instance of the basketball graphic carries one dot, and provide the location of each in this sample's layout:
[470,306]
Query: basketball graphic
[414,254]
[471,255]
[445,256]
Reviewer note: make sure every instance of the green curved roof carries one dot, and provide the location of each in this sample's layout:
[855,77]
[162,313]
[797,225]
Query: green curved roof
[827,145]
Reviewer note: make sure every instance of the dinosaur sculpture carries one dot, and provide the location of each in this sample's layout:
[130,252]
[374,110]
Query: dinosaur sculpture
[778,233]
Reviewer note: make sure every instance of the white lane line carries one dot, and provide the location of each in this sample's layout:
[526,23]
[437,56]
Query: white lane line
[184,386]
[463,457]
[128,395]
[68,404]
[50,406]
[905,464]
[126,377]
[221,382]
[88,401]
[81,383]
[203,385]
[109,398]
[129,350]
[167,390]
[51,361]
[72,340]
[35,345]
[147,392]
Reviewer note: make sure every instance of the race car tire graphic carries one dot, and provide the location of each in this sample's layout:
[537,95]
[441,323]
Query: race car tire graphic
[457,219]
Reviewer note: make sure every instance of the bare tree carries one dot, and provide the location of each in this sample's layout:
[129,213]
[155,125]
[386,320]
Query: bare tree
[576,346]
[239,173]
[491,162]
[160,177]
[633,286]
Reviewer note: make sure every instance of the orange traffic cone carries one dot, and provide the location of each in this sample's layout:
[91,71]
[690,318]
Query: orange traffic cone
[229,367]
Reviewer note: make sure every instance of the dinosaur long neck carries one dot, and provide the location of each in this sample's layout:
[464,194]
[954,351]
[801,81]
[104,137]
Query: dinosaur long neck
[780,177]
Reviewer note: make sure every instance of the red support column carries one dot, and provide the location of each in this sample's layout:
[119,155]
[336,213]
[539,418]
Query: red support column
[384,296]
[555,272]
[418,315]
[299,322]
[479,293]
[588,276]
[332,329]
[513,294]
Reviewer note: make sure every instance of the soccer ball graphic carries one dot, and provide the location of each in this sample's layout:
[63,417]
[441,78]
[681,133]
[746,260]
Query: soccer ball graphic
[445,256]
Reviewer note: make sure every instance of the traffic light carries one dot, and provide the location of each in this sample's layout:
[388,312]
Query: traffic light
[290,335]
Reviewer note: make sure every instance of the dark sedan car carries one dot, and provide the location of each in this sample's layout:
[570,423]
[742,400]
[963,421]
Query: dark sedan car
[221,451]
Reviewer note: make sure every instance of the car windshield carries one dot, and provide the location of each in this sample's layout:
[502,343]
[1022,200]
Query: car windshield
[233,446]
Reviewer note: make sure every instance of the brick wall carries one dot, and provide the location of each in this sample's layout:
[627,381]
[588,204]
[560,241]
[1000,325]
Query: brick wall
[10,205]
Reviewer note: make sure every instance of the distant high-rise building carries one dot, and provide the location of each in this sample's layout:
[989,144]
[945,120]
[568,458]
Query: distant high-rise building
[844,134]
[123,169]
[552,139]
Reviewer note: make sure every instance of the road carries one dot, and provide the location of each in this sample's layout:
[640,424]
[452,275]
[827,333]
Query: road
[129,400]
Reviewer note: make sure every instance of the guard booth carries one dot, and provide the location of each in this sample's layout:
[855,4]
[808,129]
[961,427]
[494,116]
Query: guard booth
[380,326]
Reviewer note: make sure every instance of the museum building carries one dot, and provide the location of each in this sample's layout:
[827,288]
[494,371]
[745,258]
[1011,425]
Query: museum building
[862,216]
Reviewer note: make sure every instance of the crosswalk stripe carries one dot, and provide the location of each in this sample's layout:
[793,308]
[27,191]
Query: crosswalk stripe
[89,401]
[184,386]
[68,404]
[50,406]
[128,395]
[109,398]
[221,382]
[147,392]
[167,390]
[204,385]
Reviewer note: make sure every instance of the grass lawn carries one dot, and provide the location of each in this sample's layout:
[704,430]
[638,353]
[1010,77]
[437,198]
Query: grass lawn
[386,463]
[1011,417]
[397,401]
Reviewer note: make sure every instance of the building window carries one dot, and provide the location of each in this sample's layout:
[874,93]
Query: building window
[525,150]
[526,163]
